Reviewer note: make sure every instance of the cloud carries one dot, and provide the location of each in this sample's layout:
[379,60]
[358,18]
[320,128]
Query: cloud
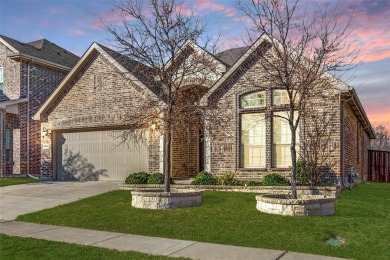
[78,32]
[214,6]
[53,10]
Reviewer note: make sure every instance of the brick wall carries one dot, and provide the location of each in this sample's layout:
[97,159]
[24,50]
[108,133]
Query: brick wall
[356,144]
[42,82]
[11,75]
[225,146]
[99,97]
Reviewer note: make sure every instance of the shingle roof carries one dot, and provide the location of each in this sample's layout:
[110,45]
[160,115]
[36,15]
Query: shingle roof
[230,56]
[142,72]
[45,50]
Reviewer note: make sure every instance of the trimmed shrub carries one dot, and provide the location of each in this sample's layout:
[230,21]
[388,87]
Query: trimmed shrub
[274,179]
[252,183]
[228,179]
[302,174]
[156,178]
[137,178]
[204,178]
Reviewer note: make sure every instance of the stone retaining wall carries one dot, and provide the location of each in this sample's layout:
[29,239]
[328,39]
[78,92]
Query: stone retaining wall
[302,190]
[157,199]
[311,205]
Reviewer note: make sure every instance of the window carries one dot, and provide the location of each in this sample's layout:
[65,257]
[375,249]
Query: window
[1,80]
[280,97]
[281,154]
[7,145]
[253,100]
[253,140]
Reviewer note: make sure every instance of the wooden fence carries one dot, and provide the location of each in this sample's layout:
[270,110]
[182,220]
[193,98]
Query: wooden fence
[378,166]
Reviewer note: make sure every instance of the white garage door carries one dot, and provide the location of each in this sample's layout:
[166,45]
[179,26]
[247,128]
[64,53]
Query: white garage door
[98,155]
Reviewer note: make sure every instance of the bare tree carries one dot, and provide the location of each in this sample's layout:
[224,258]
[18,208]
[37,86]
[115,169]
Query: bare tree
[160,36]
[382,140]
[316,142]
[308,43]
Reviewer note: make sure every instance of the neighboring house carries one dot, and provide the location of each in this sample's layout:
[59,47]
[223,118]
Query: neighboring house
[85,115]
[29,72]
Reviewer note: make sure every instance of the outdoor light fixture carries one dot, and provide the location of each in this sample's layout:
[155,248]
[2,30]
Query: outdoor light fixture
[45,132]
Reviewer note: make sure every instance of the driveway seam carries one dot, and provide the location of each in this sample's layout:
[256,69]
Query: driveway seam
[281,255]
[183,248]
[121,235]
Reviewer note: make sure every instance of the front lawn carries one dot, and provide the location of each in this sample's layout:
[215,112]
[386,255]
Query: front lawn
[30,248]
[16,181]
[362,220]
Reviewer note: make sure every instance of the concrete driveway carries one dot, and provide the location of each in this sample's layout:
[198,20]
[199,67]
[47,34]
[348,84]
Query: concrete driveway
[21,199]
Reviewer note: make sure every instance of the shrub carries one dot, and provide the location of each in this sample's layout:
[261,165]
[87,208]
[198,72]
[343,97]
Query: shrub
[228,179]
[156,178]
[274,179]
[137,178]
[302,174]
[251,183]
[204,178]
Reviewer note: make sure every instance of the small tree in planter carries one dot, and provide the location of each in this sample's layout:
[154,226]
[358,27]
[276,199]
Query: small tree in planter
[309,43]
[158,35]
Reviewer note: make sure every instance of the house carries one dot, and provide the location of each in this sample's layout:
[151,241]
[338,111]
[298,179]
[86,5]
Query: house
[85,117]
[29,72]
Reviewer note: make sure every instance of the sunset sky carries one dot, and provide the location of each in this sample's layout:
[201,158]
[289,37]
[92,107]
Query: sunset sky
[74,25]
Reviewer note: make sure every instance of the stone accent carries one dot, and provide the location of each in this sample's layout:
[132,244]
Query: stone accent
[157,199]
[305,205]
[333,191]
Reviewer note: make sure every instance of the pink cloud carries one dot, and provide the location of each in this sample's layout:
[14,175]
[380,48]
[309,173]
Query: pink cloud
[56,10]
[184,9]
[78,32]
[213,6]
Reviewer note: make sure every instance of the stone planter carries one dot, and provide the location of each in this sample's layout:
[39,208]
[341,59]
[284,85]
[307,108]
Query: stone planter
[305,205]
[158,199]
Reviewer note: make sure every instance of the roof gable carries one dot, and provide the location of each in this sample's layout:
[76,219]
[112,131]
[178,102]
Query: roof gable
[113,57]
[42,49]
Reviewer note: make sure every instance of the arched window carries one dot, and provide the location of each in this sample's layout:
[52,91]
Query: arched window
[253,100]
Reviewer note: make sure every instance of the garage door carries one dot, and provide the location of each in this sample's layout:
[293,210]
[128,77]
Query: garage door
[98,155]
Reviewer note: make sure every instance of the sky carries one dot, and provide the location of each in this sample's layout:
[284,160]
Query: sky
[75,25]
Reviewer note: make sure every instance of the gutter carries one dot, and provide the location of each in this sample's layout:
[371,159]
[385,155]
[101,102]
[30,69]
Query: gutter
[20,56]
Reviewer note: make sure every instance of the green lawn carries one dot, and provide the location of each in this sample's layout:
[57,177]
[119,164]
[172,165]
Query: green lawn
[362,220]
[30,248]
[16,181]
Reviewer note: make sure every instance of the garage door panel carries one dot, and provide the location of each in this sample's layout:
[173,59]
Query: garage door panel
[98,155]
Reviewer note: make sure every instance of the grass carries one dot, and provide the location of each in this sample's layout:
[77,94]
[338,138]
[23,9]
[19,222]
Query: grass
[16,181]
[361,219]
[30,248]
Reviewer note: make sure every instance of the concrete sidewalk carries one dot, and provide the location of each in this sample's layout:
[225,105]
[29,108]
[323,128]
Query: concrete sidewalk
[145,244]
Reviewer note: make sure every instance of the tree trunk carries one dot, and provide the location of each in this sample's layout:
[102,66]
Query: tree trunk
[167,160]
[293,163]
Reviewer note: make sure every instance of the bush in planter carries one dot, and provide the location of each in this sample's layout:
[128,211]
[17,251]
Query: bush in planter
[157,178]
[303,174]
[274,179]
[204,178]
[252,183]
[228,179]
[137,178]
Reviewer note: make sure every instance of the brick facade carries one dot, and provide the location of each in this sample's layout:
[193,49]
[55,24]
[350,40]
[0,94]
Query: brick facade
[42,81]
[99,97]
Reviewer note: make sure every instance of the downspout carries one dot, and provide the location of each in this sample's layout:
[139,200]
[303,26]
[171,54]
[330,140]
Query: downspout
[342,126]
[1,144]
[28,123]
